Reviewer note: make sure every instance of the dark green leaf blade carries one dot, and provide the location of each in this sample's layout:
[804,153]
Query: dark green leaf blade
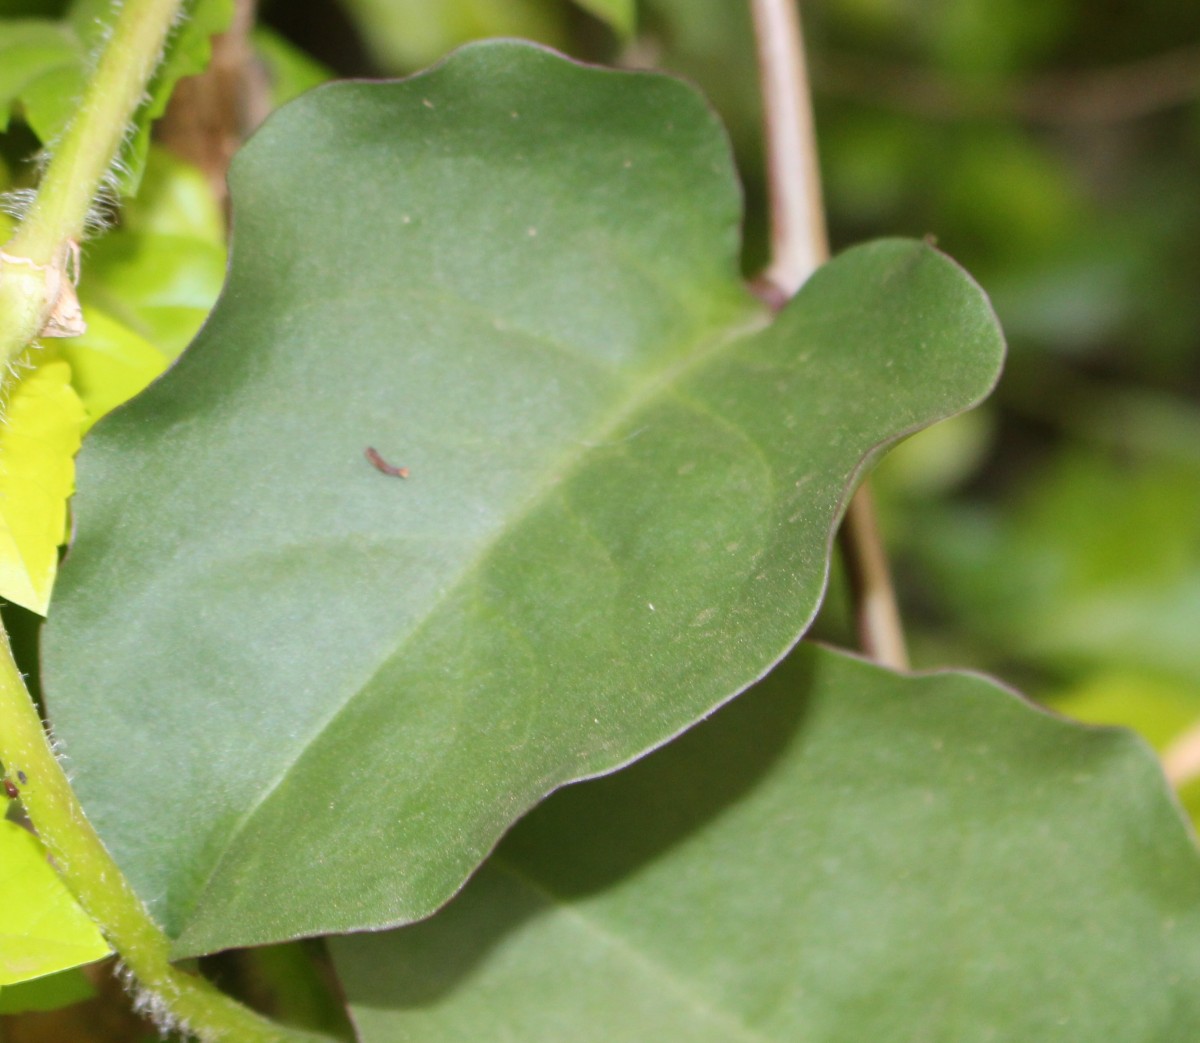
[844,854]
[622,488]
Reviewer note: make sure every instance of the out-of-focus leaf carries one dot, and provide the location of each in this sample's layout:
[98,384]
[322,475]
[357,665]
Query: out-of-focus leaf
[1097,565]
[42,929]
[940,458]
[41,74]
[403,35]
[1002,191]
[843,854]
[174,199]
[1155,708]
[110,363]
[158,274]
[620,14]
[162,287]
[985,40]
[31,8]
[290,71]
[623,483]
[38,440]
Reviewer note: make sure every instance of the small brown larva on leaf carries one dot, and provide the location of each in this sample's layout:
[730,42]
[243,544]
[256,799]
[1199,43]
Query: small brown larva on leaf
[380,464]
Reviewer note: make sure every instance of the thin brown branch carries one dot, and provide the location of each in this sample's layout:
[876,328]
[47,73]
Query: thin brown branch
[799,244]
[880,628]
[1092,96]
[211,114]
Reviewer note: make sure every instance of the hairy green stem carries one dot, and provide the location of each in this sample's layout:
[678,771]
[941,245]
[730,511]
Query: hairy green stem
[34,263]
[174,997]
[85,156]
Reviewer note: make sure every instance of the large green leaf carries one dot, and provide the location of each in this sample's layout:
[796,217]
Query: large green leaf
[301,695]
[1162,710]
[843,855]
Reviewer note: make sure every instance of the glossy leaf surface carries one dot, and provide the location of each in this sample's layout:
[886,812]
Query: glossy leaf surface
[301,695]
[842,855]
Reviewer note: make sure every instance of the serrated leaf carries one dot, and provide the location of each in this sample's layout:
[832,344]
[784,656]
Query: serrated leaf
[42,929]
[272,657]
[38,440]
[844,854]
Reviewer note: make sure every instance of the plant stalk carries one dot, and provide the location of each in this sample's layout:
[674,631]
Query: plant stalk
[799,245]
[36,283]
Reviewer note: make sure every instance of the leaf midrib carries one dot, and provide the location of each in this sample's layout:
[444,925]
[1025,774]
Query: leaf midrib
[659,383]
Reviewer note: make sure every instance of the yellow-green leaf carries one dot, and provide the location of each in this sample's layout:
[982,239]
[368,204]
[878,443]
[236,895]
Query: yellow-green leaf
[42,928]
[110,363]
[38,440]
